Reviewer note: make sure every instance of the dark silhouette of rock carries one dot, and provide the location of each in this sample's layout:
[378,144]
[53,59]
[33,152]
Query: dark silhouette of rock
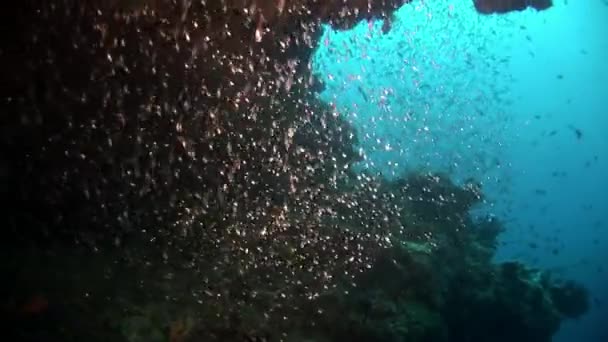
[505,6]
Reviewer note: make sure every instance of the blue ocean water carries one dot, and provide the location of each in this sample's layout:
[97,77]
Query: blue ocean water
[517,102]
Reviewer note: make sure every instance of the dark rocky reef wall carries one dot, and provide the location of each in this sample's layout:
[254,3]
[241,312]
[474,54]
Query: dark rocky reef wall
[435,281]
[115,111]
[167,175]
[506,6]
[124,113]
[175,133]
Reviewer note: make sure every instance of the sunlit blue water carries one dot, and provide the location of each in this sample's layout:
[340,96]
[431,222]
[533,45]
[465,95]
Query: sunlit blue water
[518,102]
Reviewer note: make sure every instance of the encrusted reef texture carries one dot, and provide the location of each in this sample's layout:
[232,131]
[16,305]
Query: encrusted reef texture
[168,175]
[433,281]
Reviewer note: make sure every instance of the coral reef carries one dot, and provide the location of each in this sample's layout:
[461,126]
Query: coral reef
[433,281]
[443,286]
[170,176]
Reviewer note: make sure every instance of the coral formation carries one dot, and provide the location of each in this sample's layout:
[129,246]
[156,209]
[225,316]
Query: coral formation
[171,176]
[444,287]
[434,281]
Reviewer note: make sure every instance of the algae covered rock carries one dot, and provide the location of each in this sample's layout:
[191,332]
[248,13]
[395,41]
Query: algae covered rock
[443,286]
[570,299]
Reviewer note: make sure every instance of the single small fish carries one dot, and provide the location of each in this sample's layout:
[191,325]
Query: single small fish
[387,24]
[280,6]
[577,132]
[365,97]
[597,302]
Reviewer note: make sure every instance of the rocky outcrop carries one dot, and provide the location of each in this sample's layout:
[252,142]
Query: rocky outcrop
[505,6]
[116,110]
